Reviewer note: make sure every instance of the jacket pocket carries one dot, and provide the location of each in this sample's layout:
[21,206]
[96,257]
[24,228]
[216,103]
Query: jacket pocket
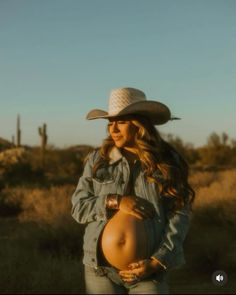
[106,183]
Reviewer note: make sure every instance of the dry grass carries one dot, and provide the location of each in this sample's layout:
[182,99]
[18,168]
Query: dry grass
[41,246]
[214,188]
[42,205]
[211,243]
[27,270]
[215,196]
[47,243]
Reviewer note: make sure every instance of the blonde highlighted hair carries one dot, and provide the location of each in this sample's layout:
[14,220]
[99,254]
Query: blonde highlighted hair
[156,155]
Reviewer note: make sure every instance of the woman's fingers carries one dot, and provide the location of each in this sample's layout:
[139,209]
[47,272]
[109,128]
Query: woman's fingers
[141,213]
[137,214]
[139,270]
[145,206]
[136,271]
[126,274]
[148,207]
[135,265]
[137,207]
[144,212]
[129,276]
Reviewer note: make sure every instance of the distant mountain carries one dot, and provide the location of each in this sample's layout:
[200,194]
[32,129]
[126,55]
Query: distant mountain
[5,144]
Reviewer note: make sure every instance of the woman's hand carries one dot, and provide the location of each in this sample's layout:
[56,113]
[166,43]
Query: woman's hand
[137,207]
[140,270]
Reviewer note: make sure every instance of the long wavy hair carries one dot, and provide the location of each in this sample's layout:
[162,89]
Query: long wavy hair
[155,155]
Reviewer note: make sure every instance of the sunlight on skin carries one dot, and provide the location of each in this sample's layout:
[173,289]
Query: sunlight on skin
[123,133]
[141,269]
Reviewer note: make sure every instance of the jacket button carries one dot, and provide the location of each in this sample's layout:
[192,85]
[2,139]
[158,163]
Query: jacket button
[95,239]
[93,260]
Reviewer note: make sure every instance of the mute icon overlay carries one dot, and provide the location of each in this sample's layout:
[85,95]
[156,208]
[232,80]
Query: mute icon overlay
[219,278]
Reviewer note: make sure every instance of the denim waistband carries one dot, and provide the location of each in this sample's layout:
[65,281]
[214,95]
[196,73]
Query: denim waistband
[112,274]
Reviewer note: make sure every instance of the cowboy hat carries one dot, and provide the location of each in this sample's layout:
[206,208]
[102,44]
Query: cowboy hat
[128,101]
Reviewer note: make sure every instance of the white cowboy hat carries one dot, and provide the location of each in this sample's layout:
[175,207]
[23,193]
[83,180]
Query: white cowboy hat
[127,101]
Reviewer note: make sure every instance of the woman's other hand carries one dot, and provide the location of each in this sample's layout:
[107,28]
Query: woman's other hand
[140,270]
[137,207]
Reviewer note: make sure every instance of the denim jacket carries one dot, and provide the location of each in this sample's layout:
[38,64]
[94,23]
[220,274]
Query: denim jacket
[166,231]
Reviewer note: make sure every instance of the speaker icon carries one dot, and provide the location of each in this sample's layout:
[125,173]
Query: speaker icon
[219,278]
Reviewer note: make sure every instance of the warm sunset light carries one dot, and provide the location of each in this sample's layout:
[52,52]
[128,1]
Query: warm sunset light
[117,147]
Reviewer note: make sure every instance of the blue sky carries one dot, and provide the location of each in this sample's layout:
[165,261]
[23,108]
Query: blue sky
[61,58]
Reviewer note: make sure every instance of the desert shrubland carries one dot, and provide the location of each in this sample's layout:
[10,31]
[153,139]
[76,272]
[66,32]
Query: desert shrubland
[40,238]
[211,242]
[41,205]
[29,166]
[214,187]
[40,244]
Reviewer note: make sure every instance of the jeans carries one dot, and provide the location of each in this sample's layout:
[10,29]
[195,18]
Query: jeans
[106,280]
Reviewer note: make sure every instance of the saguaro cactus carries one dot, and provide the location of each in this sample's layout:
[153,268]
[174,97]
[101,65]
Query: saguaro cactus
[43,134]
[18,132]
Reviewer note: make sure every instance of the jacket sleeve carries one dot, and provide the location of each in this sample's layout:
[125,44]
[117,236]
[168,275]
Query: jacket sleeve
[175,232]
[86,207]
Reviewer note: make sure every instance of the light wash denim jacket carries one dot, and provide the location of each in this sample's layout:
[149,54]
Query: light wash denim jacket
[166,231]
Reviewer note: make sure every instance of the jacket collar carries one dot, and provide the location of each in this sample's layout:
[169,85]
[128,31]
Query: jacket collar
[115,155]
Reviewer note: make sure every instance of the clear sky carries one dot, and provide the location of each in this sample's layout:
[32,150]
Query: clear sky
[61,58]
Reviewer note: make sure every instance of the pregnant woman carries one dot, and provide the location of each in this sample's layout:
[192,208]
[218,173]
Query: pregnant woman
[135,200]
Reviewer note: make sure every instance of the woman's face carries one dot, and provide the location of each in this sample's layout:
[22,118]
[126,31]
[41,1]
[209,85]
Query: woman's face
[122,132]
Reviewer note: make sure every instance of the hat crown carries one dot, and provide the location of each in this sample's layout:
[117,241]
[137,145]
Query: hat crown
[122,97]
[130,101]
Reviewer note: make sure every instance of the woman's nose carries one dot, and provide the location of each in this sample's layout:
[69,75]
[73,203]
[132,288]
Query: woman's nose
[115,127]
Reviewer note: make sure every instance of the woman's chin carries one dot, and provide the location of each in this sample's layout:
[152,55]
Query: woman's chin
[119,144]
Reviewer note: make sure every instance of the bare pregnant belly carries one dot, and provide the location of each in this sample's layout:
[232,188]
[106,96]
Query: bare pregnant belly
[124,240]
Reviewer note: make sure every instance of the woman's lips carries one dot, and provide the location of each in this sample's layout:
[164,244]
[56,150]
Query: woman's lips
[116,137]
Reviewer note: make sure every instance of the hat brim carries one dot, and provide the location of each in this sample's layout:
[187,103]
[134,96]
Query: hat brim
[157,112]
